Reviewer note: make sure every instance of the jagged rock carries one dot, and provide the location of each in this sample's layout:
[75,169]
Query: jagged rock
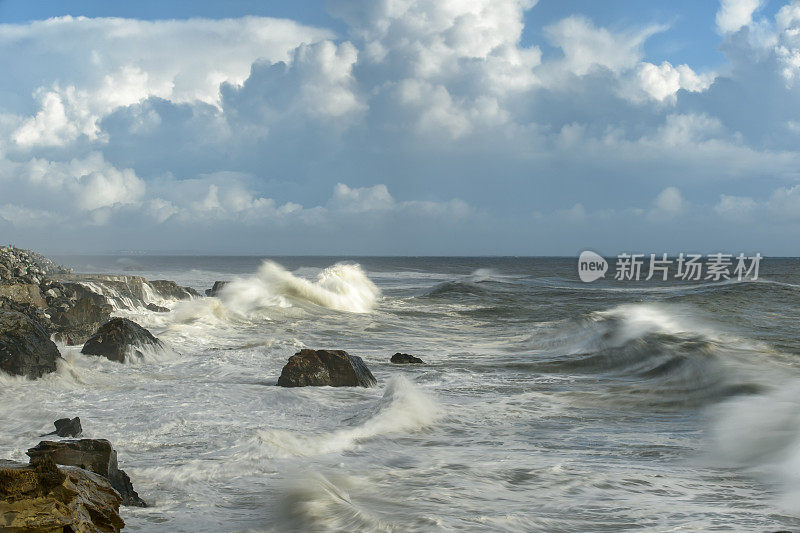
[42,498]
[25,346]
[157,308]
[170,289]
[117,338]
[404,359]
[214,290]
[336,368]
[67,427]
[94,455]
[79,322]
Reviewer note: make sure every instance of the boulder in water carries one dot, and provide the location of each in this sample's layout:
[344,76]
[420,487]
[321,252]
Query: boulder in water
[67,427]
[118,337]
[405,359]
[157,308]
[170,289]
[94,455]
[335,368]
[25,346]
[44,498]
[214,290]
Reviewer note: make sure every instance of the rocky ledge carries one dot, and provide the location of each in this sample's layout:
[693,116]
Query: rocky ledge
[42,497]
[335,368]
[94,455]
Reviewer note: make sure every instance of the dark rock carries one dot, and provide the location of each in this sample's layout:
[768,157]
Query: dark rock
[76,324]
[42,498]
[170,289]
[404,359]
[68,427]
[118,337]
[94,455]
[214,291]
[335,368]
[157,308]
[25,346]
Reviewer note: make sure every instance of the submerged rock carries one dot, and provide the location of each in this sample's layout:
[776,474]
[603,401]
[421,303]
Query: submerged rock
[335,368]
[214,290]
[25,346]
[94,455]
[404,359]
[119,337]
[42,498]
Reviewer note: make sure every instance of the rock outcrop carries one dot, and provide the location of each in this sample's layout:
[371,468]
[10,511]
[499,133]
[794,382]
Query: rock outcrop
[335,368]
[128,292]
[26,286]
[118,338]
[25,346]
[94,455]
[406,359]
[42,498]
[214,290]
[77,323]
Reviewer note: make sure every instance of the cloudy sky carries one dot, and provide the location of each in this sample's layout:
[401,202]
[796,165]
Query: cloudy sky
[401,127]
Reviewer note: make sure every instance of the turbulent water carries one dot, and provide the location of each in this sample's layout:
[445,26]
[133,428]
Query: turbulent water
[546,404]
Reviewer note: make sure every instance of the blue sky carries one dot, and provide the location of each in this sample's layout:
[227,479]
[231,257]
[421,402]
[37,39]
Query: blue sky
[401,126]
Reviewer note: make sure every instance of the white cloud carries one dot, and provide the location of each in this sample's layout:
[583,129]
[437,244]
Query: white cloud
[662,82]
[735,207]
[100,64]
[733,15]
[587,47]
[668,204]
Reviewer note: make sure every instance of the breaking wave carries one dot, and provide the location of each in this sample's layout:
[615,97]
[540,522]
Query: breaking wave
[343,287]
[403,408]
[663,354]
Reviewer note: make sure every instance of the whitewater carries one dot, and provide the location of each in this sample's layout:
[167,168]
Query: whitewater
[545,404]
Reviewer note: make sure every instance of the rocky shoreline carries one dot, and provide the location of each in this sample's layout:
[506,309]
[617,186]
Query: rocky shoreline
[75,485]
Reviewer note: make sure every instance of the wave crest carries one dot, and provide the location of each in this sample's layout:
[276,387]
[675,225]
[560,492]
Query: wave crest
[343,287]
[402,408]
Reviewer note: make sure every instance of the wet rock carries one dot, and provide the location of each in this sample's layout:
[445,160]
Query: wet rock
[157,308]
[25,346]
[119,337]
[214,291]
[404,359]
[67,427]
[42,498]
[77,323]
[170,289]
[94,455]
[335,368]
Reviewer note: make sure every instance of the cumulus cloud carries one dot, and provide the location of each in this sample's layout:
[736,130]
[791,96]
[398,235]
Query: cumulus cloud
[735,14]
[256,124]
[97,65]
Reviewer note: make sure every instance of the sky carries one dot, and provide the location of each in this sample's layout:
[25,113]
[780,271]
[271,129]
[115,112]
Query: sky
[401,127]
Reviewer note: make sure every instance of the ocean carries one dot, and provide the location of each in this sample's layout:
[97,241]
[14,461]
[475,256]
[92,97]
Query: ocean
[545,404]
